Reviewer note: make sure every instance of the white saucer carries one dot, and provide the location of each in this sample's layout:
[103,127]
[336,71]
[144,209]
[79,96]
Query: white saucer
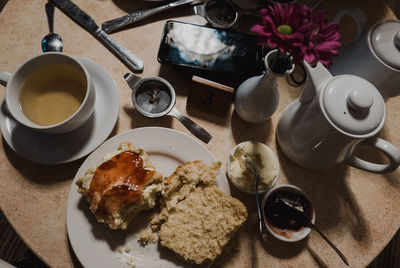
[63,148]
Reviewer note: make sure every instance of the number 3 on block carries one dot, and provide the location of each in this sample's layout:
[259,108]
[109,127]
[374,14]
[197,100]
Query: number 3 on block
[210,96]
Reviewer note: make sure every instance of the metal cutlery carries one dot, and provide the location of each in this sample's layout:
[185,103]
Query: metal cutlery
[256,174]
[86,22]
[52,41]
[118,23]
[305,221]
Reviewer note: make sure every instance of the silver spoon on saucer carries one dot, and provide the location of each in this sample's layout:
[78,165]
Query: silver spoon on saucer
[52,41]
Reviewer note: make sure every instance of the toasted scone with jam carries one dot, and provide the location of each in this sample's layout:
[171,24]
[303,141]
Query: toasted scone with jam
[124,183]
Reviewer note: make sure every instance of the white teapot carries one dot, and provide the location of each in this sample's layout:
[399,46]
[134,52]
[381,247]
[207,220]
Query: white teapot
[375,56]
[332,117]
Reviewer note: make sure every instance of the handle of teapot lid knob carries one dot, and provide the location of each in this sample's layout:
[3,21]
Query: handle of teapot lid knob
[384,146]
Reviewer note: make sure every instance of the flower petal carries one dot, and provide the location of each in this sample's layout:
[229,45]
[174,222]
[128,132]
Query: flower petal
[312,38]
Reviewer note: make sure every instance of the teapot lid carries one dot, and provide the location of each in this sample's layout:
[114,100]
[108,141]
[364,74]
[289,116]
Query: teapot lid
[353,105]
[384,38]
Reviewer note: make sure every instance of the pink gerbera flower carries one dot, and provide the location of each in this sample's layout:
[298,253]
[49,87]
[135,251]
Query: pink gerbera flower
[294,29]
[322,41]
[284,28]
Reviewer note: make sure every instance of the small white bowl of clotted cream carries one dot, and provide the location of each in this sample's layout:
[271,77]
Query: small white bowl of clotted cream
[265,161]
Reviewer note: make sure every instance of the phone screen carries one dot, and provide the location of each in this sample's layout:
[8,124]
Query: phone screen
[210,49]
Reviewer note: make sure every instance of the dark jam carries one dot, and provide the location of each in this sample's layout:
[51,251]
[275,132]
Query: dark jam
[281,218]
[118,182]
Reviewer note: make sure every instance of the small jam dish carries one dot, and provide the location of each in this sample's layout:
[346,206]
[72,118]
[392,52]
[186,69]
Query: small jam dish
[281,224]
[264,160]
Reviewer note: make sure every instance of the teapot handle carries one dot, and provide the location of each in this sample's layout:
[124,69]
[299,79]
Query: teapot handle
[387,148]
[358,17]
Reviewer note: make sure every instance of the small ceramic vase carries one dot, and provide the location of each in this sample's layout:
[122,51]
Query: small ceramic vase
[257,98]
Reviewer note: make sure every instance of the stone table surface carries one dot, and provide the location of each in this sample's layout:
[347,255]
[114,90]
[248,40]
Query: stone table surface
[357,210]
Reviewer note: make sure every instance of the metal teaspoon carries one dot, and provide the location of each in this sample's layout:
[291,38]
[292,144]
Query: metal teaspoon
[305,221]
[263,229]
[52,41]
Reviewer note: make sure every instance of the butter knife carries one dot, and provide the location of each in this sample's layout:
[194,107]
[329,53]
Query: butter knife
[87,23]
[115,24]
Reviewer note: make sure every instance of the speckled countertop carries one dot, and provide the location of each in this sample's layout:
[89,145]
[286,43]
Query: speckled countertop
[359,211]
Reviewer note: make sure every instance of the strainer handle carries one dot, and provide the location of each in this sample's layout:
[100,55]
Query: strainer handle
[194,128]
[386,147]
[131,79]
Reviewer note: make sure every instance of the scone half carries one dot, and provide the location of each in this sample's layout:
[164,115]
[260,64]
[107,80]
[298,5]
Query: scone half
[197,219]
[124,183]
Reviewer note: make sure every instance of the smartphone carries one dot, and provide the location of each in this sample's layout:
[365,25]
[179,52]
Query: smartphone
[209,49]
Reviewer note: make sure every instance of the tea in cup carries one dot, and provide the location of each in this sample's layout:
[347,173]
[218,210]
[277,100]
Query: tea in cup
[51,93]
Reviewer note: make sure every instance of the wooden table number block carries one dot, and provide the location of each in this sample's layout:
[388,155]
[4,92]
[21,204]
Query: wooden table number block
[210,96]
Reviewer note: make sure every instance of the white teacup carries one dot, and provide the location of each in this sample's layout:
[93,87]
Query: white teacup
[50,92]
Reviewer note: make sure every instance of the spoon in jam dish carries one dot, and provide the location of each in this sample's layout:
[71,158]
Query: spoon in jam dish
[256,174]
[302,219]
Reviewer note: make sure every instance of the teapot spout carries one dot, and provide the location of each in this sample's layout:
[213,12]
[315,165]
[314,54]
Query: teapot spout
[318,75]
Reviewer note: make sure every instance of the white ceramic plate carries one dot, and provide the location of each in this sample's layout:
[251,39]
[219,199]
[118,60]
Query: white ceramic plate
[63,148]
[97,246]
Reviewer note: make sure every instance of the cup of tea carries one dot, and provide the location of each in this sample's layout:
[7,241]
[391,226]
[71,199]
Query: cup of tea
[50,92]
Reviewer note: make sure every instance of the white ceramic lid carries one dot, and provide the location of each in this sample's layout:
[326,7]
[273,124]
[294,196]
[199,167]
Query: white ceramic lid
[353,105]
[385,42]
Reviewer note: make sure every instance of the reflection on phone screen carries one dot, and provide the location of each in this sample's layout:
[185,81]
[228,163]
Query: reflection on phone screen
[210,49]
